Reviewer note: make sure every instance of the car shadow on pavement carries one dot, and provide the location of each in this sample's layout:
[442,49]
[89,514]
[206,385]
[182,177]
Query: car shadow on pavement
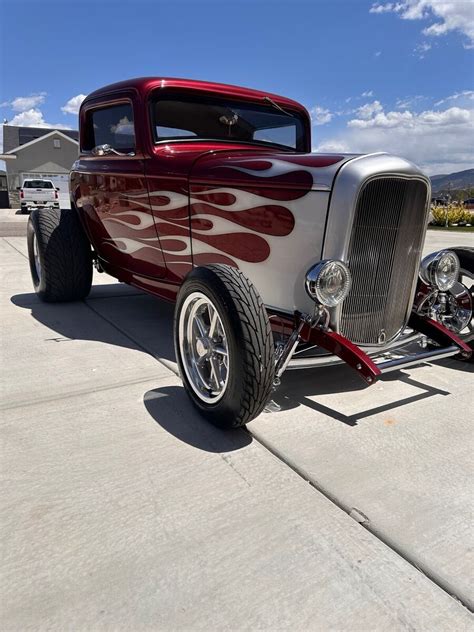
[171,409]
[120,315]
[334,380]
[115,314]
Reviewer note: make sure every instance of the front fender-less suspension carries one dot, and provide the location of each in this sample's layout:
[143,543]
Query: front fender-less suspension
[306,329]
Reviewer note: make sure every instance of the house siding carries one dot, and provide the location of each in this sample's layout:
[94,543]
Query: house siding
[40,157]
[14,136]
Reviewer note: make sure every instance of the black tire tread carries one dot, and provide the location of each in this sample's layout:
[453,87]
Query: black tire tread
[256,339]
[66,254]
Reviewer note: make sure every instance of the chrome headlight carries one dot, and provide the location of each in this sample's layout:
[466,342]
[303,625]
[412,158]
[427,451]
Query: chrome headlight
[440,269]
[328,282]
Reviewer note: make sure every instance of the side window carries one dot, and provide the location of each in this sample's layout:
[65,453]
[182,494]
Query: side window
[112,126]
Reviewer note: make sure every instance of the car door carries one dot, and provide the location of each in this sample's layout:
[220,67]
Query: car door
[111,190]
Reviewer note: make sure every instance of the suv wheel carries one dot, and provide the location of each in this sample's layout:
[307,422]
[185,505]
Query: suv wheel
[60,255]
[224,345]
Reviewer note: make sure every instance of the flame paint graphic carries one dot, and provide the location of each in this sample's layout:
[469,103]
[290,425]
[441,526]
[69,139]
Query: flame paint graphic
[215,224]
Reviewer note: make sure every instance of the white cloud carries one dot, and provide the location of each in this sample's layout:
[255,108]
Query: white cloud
[456,15]
[408,102]
[465,95]
[437,140]
[333,146]
[20,104]
[369,109]
[421,49]
[73,105]
[33,118]
[320,116]
[377,53]
[365,95]
[384,8]
[407,119]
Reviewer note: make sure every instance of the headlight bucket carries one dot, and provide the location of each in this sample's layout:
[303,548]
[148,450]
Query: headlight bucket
[440,269]
[328,282]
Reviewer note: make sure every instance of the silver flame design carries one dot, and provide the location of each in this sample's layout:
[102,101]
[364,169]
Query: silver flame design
[218,227]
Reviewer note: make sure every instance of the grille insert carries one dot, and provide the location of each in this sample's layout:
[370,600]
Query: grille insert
[383,257]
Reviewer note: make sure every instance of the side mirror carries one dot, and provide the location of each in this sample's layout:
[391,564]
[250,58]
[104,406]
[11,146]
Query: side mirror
[57,189]
[18,188]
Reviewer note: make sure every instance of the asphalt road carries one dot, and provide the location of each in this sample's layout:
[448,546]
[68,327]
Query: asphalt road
[351,508]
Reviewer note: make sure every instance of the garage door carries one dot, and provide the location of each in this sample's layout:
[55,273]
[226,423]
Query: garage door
[60,181]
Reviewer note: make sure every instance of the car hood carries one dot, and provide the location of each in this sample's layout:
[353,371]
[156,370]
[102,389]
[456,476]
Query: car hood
[269,170]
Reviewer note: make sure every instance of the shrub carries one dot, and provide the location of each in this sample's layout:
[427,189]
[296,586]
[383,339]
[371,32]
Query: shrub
[455,215]
[468,217]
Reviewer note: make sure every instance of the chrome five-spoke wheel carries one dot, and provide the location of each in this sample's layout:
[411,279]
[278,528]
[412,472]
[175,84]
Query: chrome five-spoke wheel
[224,345]
[203,347]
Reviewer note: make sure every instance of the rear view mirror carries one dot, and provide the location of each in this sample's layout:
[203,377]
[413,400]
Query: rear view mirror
[57,188]
[18,188]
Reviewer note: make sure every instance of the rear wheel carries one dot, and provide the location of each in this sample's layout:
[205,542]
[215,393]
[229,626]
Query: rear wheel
[224,345]
[60,255]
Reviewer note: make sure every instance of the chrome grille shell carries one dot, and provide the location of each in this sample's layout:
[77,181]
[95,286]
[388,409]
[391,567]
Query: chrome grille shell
[349,186]
[383,256]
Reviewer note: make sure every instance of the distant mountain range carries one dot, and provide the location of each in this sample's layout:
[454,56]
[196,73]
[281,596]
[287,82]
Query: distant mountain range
[451,181]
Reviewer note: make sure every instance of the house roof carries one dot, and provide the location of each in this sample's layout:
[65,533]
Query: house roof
[41,138]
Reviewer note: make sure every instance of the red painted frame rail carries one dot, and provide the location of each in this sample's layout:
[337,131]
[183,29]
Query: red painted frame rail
[356,358]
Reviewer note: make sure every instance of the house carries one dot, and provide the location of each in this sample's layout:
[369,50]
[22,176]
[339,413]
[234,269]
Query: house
[469,204]
[37,152]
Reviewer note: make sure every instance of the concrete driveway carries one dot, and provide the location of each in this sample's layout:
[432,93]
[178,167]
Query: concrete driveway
[123,510]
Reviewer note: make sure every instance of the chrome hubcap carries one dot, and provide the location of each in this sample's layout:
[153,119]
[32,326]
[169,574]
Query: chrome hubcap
[203,347]
[36,257]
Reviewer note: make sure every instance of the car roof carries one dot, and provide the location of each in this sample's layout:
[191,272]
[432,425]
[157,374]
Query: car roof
[143,85]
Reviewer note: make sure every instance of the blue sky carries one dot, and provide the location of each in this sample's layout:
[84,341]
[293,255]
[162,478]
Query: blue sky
[377,76]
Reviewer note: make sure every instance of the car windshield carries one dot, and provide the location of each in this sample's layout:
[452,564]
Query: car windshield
[37,184]
[177,116]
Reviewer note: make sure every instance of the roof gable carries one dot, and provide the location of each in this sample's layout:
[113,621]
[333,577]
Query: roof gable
[41,138]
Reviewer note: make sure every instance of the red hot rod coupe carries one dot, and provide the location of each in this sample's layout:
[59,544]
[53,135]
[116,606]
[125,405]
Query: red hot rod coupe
[277,258]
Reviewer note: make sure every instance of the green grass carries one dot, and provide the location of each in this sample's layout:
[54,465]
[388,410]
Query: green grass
[459,229]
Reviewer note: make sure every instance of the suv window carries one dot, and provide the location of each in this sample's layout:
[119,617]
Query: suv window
[37,184]
[111,126]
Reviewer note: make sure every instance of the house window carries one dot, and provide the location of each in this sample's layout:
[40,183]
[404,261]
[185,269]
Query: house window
[57,143]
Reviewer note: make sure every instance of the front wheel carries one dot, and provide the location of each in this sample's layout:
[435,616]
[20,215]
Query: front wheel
[224,345]
[466,279]
[454,308]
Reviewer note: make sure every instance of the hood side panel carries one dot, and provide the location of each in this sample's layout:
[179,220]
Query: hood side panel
[268,169]
[262,215]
